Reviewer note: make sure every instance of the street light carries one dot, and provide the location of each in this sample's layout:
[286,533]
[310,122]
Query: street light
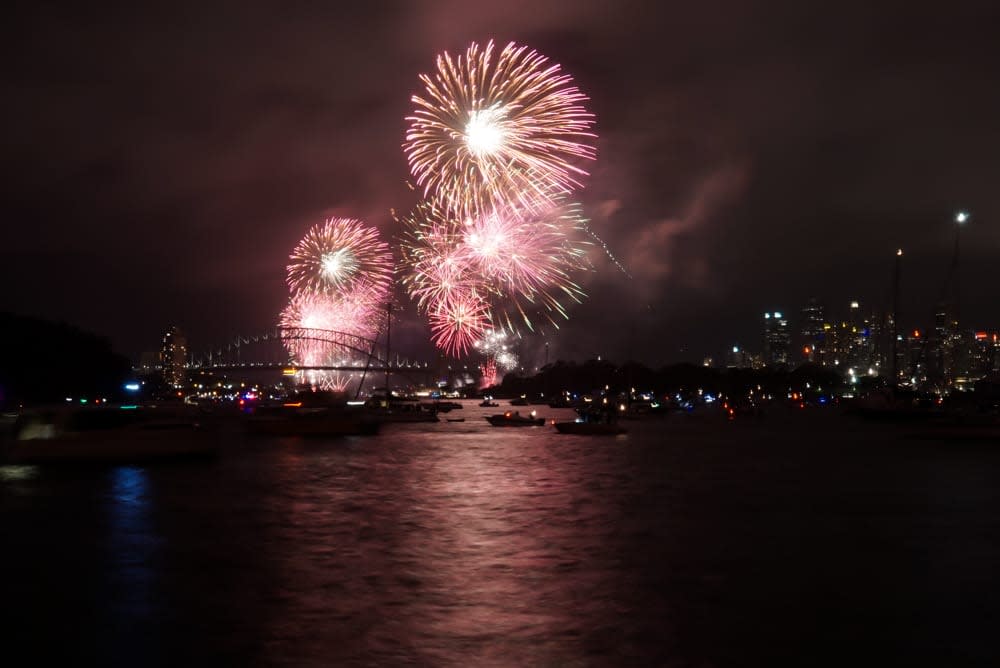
[961,217]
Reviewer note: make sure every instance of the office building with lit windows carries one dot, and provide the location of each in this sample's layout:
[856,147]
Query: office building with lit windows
[777,339]
[173,357]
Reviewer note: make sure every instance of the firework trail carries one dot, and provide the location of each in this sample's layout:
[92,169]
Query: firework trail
[493,345]
[333,381]
[338,253]
[488,369]
[491,128]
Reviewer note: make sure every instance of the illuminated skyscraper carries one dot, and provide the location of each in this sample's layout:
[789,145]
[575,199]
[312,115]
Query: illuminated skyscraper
[812,331]
[777,339]
[173,357]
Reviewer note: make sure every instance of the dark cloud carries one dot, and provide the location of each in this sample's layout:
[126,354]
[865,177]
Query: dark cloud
[160,161]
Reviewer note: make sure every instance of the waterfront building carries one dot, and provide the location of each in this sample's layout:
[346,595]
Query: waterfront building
[173,357]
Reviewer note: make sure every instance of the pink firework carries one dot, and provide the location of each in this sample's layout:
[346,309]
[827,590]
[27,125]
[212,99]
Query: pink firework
[456,324]
[520,259]
[526,257]
[357,313]
[492,128]
[436,268]
[488,369]
[336,254]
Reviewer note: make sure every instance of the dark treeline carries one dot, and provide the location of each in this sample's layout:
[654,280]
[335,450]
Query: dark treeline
[594,375]
[43,361]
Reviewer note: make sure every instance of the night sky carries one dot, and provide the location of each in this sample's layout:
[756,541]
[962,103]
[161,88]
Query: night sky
[160,162]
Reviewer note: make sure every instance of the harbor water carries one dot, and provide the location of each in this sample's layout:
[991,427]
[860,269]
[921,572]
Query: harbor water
[794,539]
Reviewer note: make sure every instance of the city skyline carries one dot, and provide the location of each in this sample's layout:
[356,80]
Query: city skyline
[747,159]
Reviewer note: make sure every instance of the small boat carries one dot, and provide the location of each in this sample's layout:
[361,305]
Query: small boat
[486,403]
[515,419]
[400,411]
[320,413]
[520,401]
[590,428]
[456,419]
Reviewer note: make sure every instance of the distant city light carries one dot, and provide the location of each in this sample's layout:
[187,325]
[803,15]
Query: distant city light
[132,387]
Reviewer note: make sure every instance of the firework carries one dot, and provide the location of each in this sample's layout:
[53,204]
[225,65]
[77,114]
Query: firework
[338,253]
[493,345]
[458,322]
[488,369]
[526,256]
[437,267]
[495,128]
[333,381]
[357,313]
[518,259]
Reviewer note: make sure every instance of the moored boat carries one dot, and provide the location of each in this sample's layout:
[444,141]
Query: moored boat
[399,410]
[515,419]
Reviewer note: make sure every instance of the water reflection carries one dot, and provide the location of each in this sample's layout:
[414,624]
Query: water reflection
[458,544]
[131,545]
[18,472]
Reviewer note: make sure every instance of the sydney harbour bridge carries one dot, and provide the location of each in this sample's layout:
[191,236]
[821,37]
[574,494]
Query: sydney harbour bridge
[341,352]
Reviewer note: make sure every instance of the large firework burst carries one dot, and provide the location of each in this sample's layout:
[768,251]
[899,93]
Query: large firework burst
[517,260]
[338,253]
[495,128]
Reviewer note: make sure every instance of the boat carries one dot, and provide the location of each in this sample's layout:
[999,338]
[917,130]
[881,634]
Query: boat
[520,401]
[108,434]
[400,411]
[583,427]
[515,419]
[456,419]
[308,413]
[486,403]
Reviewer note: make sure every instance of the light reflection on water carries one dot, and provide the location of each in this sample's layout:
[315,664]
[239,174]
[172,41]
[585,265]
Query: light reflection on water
[17,472]
[684,543]
[129,549]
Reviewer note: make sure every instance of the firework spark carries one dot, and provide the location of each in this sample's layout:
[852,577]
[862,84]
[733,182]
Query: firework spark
[493,345]
[338,253]
[495,128]
[457,323]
